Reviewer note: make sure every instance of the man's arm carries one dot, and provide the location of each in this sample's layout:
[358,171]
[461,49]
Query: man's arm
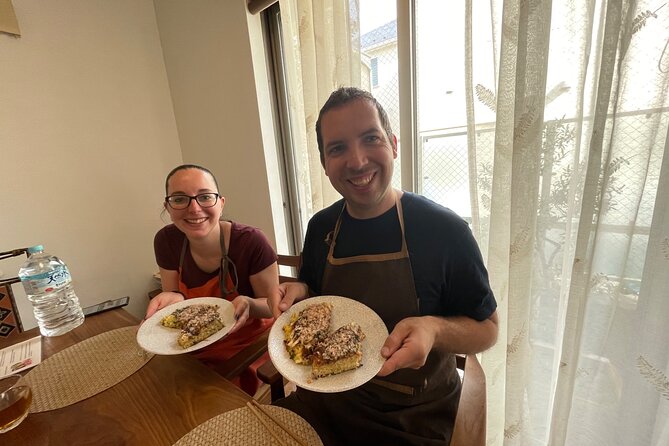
[284,295]
[461,334]
[413,338]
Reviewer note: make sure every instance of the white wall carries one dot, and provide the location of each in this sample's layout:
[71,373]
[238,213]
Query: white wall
[87,134]
[207,50]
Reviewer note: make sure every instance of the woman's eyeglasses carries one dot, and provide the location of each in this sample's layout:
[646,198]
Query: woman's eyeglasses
[179,202]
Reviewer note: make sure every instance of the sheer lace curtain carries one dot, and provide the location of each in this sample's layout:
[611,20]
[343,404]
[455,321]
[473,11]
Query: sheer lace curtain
[576,225]
[571,203]
[322,52]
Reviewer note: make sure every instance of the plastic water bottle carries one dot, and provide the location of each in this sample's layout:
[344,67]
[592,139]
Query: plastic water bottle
[48,284]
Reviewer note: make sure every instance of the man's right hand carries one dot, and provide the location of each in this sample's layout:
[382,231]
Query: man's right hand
[285,295]
[161,301]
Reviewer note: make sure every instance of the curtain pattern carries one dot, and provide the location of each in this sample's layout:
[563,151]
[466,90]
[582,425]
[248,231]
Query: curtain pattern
[322,52]
[571,203]
[572,198]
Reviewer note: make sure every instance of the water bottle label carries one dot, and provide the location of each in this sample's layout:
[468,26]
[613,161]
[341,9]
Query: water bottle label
[47,282]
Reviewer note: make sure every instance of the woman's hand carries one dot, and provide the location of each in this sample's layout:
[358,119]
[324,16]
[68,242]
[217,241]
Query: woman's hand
[161,301]
[242,308]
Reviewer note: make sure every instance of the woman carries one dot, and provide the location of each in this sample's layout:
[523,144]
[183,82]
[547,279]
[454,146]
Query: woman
[200,255]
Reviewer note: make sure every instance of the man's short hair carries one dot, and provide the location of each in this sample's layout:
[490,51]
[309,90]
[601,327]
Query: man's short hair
[343,96]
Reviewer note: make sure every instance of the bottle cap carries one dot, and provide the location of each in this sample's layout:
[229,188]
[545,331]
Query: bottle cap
[36,248]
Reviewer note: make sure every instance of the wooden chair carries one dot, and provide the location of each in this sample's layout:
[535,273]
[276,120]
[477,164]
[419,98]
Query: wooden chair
[10,320]
[267,372]
[470,421]
[242,360]
[232,367]
[294,262]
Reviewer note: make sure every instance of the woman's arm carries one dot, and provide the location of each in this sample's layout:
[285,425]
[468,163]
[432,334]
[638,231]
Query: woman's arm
[253,308]
[169,279]
[263,283]
[170,283]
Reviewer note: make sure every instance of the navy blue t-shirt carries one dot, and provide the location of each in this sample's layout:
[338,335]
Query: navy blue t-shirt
[448,269]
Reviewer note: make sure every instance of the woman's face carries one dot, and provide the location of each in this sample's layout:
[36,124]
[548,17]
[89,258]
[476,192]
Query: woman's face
[195,221]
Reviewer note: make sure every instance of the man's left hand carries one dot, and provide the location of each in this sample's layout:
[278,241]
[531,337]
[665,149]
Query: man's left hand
[414,337]
[408,345]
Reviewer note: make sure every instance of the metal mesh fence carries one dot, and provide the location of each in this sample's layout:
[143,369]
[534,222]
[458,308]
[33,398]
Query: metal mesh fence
[443,165]
[380,72]
[445,172]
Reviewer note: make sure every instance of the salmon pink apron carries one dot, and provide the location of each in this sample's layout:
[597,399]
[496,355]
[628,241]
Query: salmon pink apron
[225,287]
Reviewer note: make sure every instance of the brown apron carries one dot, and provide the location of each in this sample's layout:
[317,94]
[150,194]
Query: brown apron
[224,286]
[413,407]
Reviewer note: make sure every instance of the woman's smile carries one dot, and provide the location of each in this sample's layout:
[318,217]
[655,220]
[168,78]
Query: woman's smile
[195,221]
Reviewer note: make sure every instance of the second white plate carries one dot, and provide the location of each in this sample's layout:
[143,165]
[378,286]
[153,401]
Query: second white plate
[344,311]
[155,338]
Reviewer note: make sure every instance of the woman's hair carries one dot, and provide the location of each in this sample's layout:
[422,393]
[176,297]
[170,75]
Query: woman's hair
[189,166]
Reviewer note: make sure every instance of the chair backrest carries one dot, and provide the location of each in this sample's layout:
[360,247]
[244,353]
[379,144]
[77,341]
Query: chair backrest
[470,421]
[294,262]
[10,320]
[238,363]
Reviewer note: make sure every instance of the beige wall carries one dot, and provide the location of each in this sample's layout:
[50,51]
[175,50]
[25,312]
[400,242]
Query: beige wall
[209,65]
[88,132]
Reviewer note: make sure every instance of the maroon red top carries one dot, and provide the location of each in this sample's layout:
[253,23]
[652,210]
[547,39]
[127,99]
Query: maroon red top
[249,250]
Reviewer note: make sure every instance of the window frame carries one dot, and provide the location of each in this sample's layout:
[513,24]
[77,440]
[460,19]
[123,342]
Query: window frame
[287,164]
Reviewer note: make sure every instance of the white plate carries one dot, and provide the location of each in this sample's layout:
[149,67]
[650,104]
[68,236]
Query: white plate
[160,340]
[344,311]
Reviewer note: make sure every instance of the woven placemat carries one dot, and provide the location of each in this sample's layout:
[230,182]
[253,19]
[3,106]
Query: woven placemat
[85,369]
[240,427]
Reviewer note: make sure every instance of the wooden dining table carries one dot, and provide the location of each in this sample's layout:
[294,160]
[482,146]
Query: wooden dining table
[157,405]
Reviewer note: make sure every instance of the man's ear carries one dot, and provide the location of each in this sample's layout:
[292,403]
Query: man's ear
[325,168]
[394,146]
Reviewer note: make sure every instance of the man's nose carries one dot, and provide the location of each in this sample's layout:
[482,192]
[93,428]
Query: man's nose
[357,157]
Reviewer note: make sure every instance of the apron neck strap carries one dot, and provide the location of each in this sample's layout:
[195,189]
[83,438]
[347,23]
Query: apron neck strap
[183,254]
[400,216]
[223,271]
[224,268]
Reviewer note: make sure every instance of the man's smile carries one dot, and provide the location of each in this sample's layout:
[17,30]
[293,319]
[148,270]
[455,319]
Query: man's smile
[362,181]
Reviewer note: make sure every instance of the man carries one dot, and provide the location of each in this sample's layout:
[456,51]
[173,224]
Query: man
[422,272]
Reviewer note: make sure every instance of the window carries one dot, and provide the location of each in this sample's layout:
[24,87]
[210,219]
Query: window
[378,44]
[447,64]
[375,71]
[288,175]
[443,170]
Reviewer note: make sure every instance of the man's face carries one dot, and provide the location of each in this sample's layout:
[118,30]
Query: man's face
[358,157]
